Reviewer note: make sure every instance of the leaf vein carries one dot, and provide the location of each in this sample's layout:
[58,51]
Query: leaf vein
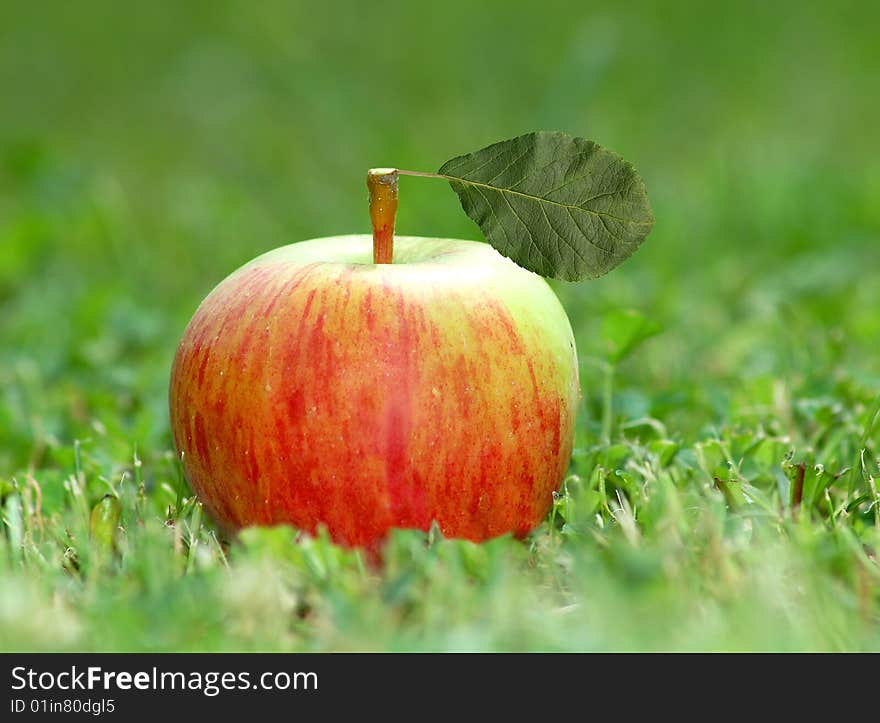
[540,199]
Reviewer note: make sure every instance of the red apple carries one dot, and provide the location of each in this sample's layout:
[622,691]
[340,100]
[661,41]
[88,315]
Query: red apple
[313,387]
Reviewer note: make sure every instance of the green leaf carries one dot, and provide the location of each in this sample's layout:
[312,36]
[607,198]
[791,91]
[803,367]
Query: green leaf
[104,522]
[560,206]
[625,329]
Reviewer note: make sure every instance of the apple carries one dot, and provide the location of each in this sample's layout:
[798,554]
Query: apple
[314,387]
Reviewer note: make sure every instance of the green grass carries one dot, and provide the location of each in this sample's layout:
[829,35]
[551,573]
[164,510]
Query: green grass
[147,150]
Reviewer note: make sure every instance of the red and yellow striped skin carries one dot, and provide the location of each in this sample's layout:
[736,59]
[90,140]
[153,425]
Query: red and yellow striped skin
[366,397]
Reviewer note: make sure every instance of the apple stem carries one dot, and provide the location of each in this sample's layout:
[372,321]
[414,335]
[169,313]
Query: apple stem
[382,184]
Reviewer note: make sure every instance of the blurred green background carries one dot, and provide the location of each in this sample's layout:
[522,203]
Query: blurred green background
[148,149]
